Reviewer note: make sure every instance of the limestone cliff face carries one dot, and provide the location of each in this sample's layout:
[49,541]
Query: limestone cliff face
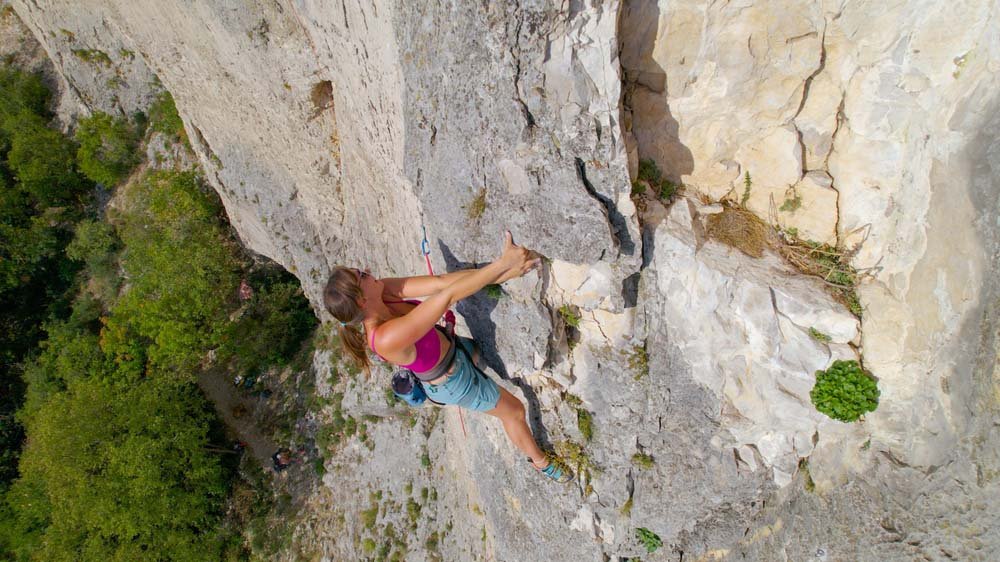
[856,124]
[334,131]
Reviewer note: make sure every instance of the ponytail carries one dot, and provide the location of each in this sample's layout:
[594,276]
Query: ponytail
[341,296]
[353,341]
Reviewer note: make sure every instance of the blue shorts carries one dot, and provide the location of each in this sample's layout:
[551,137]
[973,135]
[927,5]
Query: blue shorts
[466,386]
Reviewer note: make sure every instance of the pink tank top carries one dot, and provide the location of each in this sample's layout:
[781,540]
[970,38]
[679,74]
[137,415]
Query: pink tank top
[428,347]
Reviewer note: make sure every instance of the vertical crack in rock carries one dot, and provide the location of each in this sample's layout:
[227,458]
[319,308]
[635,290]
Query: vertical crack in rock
[819,69]
[805,96]
[616,222]
[841,117]
[515,53]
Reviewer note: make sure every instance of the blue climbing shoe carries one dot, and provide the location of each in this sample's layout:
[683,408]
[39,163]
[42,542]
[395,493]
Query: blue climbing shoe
[557,470]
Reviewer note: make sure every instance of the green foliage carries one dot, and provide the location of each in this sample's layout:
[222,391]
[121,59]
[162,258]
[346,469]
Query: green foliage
[413,511]
[585,423]
[852,302]
[93,56]
[638,361]
[650,174]
[829,263]
[819,336]
[40,196]
[570,316]
[272,327]
[368,545]
[112,472]
[807,481]
[319,466]
[650,540]
[182,271]
[369,516]
[432,541]
[96,244]
[107,148]
[267,519]
[573,455]
[29,248]
[643,461]
[93,242]
[425,460]
[22,92]
[43,161]
[844,391]
[667,189]
[626,508]
[494,292]
[747,184]
[649,171]
[164,118]
[70,352]
[791,204]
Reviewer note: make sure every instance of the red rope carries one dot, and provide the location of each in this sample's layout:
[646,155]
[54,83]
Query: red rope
[430,268]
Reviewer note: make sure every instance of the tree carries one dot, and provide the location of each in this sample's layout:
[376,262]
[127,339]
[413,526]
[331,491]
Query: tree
[127,467]
[43,161]
[107,148]
[181,268]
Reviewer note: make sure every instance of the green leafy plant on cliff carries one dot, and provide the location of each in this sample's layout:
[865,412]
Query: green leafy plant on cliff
[93,56]
[747,184]
[650,174]
[649,539]
[494,292]
[819,336]
[643,461]
[585,423]
[638,361]
[844,391]
[570,316]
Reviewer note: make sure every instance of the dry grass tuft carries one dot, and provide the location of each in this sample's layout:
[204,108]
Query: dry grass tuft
[741,229]
[830,264]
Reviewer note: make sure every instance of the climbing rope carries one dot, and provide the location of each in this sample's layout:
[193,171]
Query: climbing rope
[425,249]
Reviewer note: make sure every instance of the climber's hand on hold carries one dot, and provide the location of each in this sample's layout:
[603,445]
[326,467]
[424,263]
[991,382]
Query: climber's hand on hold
[516,260]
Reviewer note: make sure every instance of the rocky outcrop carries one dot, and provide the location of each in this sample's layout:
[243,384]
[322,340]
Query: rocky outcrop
[334,133]
[858,143]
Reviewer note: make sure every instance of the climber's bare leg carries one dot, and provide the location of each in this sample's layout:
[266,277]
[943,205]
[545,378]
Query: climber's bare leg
[511,412]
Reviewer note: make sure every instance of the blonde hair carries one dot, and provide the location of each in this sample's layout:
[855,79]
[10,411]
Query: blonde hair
[340,296]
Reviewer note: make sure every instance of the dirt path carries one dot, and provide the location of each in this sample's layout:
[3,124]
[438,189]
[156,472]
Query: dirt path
[226,397]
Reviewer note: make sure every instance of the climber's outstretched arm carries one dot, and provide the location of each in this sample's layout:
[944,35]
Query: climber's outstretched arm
[422,285]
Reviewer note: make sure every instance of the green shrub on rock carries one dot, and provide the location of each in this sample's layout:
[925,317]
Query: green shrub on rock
[648,539]
[164,118]
[844,391]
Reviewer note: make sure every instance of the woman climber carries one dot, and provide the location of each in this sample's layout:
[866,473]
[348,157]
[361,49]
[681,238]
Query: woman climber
[405,333]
